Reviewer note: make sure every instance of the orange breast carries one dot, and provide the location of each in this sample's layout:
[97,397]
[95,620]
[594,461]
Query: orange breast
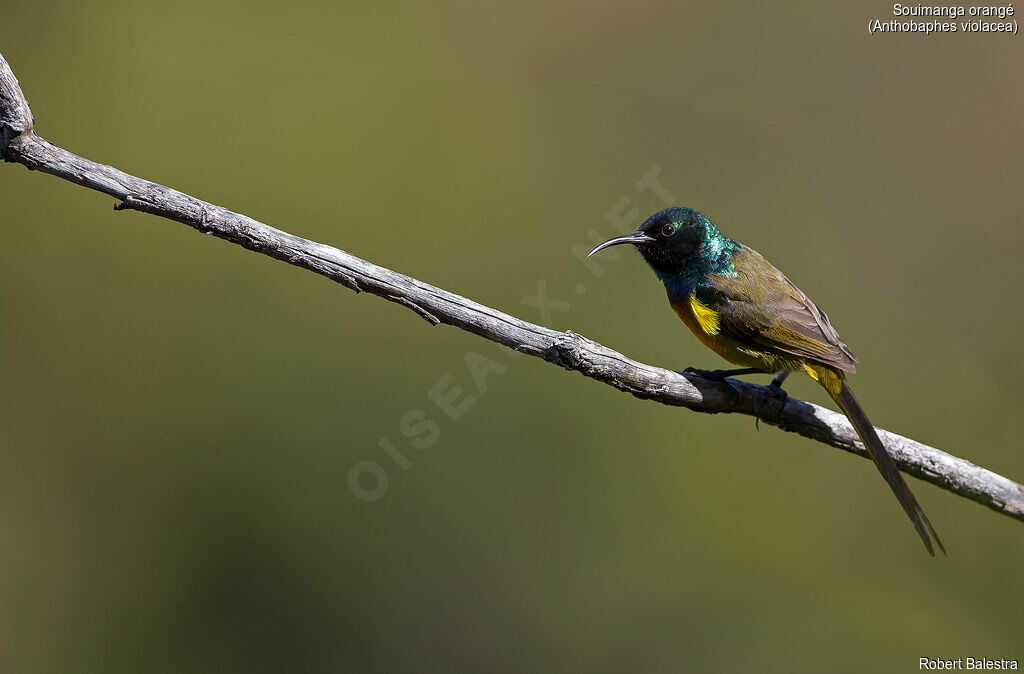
[705,324]
[685,311]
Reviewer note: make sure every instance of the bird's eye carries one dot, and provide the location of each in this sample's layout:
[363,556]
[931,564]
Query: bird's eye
[668,230]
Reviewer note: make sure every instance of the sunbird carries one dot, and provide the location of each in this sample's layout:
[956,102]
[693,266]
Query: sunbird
[748,312]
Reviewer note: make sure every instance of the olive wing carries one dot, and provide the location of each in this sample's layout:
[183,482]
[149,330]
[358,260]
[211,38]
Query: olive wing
[759,306]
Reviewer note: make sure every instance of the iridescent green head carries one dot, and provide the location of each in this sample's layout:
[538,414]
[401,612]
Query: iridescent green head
[679,241]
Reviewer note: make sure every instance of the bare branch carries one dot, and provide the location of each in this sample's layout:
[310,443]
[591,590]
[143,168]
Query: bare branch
[15,115]
[19,143]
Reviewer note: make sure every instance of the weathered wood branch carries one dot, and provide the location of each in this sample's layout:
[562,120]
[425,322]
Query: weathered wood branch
[19,143]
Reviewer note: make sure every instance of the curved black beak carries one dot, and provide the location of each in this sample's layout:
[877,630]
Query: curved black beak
[634,238]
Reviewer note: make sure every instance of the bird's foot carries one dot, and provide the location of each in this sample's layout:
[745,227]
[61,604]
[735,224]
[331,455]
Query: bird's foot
[776,391]
[719,375]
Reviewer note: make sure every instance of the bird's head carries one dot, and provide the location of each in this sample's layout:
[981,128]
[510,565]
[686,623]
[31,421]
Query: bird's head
[671,240]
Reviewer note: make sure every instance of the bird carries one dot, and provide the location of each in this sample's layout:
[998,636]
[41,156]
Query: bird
[749,313]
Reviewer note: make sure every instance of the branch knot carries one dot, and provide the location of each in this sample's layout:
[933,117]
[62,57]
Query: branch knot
[568,351]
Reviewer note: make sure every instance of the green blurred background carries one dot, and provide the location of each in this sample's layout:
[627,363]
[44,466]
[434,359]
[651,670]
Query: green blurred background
[179,416]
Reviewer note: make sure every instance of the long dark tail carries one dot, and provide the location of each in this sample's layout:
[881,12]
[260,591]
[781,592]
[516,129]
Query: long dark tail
[855,413]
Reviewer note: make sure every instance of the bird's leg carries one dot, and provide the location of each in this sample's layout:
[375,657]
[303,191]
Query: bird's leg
[778,379]
[722,374]
[776,390]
